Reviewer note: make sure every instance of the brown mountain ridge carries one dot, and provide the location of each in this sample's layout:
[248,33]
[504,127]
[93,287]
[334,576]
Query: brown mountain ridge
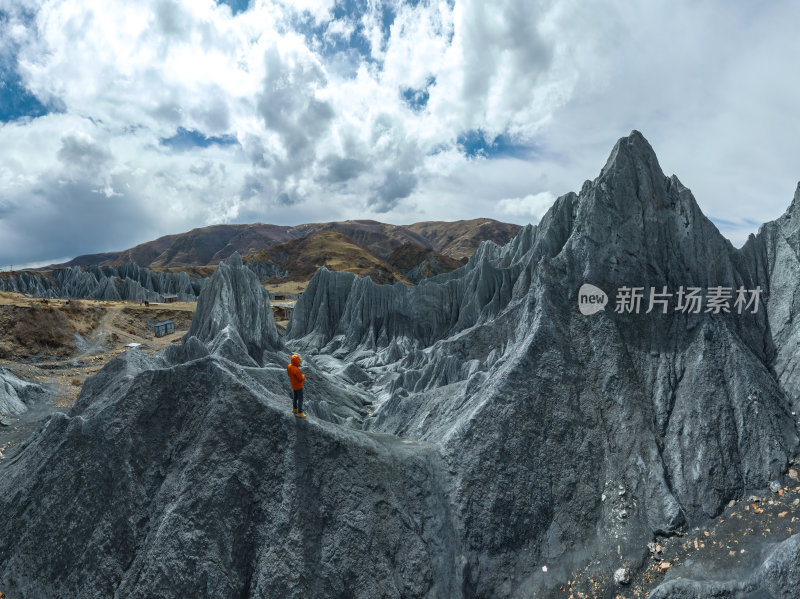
[207,246]
[336,251]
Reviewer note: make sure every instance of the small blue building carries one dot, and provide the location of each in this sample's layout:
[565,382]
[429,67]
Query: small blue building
[164,328]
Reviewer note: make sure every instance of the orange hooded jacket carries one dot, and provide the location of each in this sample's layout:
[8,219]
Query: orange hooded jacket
[296,377]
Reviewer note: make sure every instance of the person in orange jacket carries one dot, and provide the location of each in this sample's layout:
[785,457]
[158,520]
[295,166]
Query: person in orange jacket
[296,378]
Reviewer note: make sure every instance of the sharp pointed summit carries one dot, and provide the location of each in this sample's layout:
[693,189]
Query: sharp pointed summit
[632,172]
[632,150]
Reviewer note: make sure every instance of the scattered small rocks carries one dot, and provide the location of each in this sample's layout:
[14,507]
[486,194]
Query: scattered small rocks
[655,550]
[793,474]
[622,576]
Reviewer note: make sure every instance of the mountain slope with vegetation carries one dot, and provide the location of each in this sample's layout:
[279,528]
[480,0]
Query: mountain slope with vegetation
[209,245]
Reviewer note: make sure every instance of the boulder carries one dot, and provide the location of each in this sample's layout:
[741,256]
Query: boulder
[16,394]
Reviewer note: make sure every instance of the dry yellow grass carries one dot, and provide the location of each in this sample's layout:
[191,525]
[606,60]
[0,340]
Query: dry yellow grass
[27,301]
[17,299]
[37,337]
[297,287]
[181,306]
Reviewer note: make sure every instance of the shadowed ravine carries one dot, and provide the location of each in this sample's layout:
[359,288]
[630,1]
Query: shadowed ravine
[473,436]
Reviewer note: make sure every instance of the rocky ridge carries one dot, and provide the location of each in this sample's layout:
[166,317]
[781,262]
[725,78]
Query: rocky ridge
[128,282]
[110,283]
[16,394]
[681,411]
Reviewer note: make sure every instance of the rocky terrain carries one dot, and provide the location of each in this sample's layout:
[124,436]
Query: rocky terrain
[47,351]
[16,394]
[128,282]
[475,435]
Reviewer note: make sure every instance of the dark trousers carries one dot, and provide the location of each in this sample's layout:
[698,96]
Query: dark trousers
[297,399]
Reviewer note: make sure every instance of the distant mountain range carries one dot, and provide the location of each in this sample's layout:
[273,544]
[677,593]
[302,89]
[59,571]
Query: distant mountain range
[385,252]
[180,264]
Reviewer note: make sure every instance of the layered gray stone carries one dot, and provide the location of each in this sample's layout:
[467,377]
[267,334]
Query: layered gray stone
[195,479]
[127,282]
[775,257]
[778,577]
[681,409]
[236,306]
[234,322]
[16,394]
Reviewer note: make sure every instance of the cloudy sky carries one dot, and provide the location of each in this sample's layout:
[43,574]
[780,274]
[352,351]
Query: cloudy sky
[122,121]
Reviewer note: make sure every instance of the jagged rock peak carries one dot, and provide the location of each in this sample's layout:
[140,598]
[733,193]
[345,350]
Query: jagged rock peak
[235,298]
[234,260]
[631,176]
[793,211]
[632,151]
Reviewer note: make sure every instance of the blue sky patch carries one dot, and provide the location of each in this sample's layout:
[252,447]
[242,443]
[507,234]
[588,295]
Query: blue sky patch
[16,101]
[745,223]
[354,48]
[356,45]
[188,139]
[387,19]
[237,6]
[417,99]
[352,11]
[475,143]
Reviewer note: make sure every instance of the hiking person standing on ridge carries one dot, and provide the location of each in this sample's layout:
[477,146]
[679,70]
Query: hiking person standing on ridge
[296,378]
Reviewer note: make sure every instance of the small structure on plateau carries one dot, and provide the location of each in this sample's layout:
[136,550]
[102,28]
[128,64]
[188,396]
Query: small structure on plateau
[164,328]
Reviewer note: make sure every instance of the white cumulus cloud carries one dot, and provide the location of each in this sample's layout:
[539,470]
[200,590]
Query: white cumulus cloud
[164,115]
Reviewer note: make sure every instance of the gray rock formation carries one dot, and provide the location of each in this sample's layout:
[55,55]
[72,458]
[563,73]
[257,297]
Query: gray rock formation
[778,577]
[508,431]
[16,394]
[496,364]
[775,256]
[127,282]
[266,270]
[235,300]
